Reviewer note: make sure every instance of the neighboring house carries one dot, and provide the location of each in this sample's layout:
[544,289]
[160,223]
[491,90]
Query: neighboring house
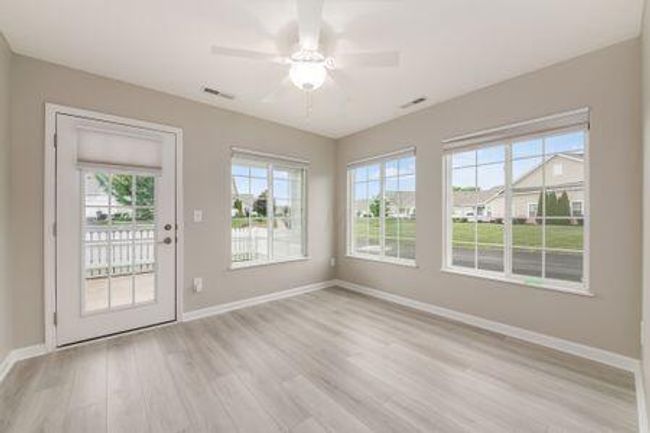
[466,201]
[560,173]
[401,204]
[398,204]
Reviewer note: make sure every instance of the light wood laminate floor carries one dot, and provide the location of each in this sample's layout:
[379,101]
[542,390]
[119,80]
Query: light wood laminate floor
[328,361]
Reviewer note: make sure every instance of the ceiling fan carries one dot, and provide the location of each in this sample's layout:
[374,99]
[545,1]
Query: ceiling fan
[308,66]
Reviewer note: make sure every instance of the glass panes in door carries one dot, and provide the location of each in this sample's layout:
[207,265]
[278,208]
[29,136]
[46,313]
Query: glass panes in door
[118,240]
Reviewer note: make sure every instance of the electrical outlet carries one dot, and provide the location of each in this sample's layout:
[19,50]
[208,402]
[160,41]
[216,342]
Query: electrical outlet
[333,261]
[198,215]
[198,284]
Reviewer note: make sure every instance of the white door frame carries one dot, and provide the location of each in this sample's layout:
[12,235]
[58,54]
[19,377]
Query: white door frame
[49,210]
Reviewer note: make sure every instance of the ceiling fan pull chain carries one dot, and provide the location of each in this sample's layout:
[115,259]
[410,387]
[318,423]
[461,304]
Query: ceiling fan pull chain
[309,105]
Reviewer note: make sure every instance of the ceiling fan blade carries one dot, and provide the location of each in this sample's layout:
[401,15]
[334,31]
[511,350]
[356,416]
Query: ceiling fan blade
[335,81]
[279,92]
[310,16]
[385,59]
[247,54]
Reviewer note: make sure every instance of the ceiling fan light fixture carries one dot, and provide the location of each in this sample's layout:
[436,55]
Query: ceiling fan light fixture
[307,76]
[308,71]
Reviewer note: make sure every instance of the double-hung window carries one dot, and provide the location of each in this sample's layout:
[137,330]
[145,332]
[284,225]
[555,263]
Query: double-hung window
[533,176]
[381,208]
[268,209]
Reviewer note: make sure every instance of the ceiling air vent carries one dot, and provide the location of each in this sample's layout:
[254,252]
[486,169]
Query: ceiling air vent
[218,93]
[414,102]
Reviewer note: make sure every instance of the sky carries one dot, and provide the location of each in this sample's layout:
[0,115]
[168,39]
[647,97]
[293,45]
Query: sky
[400,176]
[485,167]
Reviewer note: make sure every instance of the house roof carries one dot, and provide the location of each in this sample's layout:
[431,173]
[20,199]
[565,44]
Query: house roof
[468,198]
[404,198]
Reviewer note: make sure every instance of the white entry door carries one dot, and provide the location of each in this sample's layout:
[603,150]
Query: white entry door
[115,228]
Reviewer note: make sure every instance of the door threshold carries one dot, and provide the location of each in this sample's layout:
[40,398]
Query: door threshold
[93,340]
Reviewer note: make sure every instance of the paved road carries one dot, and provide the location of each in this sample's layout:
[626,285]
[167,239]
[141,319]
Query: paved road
[560,265]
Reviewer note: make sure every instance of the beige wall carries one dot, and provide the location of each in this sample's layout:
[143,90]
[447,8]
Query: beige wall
[608,81]
[645,54]
[6,323]
[208,134]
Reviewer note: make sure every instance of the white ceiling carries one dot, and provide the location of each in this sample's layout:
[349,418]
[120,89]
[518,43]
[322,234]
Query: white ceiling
[448,47]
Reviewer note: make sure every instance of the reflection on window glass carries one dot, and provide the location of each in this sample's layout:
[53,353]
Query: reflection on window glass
[527,148]
[267,215]
[464,159]
[118,240]
[476,235]
[382,214]
[542,213]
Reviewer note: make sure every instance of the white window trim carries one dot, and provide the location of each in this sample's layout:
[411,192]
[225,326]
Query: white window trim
[562,286]
[269,160]
[528,208]
[582,203]
[379,159]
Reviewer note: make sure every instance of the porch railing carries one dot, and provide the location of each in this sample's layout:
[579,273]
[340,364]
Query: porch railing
[119,251]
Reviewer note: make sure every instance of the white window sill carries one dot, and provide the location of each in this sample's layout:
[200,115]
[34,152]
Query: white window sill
[398,262]
[571,289]
[247,265]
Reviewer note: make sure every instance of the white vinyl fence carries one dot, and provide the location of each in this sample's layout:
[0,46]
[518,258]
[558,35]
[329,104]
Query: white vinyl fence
[128,250]
[248,245]
[253,245]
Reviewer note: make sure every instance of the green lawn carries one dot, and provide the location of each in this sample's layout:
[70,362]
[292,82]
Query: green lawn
[566,237]
[242,222]
[405,228]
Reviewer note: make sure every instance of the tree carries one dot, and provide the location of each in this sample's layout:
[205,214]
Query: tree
[375,207]
[120,188]
[555,207]
[563,209]
[540,208]
[239,207]
[260,204]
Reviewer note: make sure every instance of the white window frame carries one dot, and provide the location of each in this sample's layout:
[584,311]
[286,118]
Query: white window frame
[582,207]
[269,161]
[575,121]
[381,160]
[529,206]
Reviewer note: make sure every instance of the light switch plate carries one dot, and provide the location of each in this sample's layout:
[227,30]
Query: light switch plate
[198,215]
[198,284]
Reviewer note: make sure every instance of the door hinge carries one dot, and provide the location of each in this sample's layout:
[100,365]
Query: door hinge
[56,139]
[54,229]
[54,319]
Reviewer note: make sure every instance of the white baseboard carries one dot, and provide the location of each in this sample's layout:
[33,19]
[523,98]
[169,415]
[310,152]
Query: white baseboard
[592,353]
[641,399]
[599,355]
[40,349]
[578,349]
[18,355]
[231,306]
